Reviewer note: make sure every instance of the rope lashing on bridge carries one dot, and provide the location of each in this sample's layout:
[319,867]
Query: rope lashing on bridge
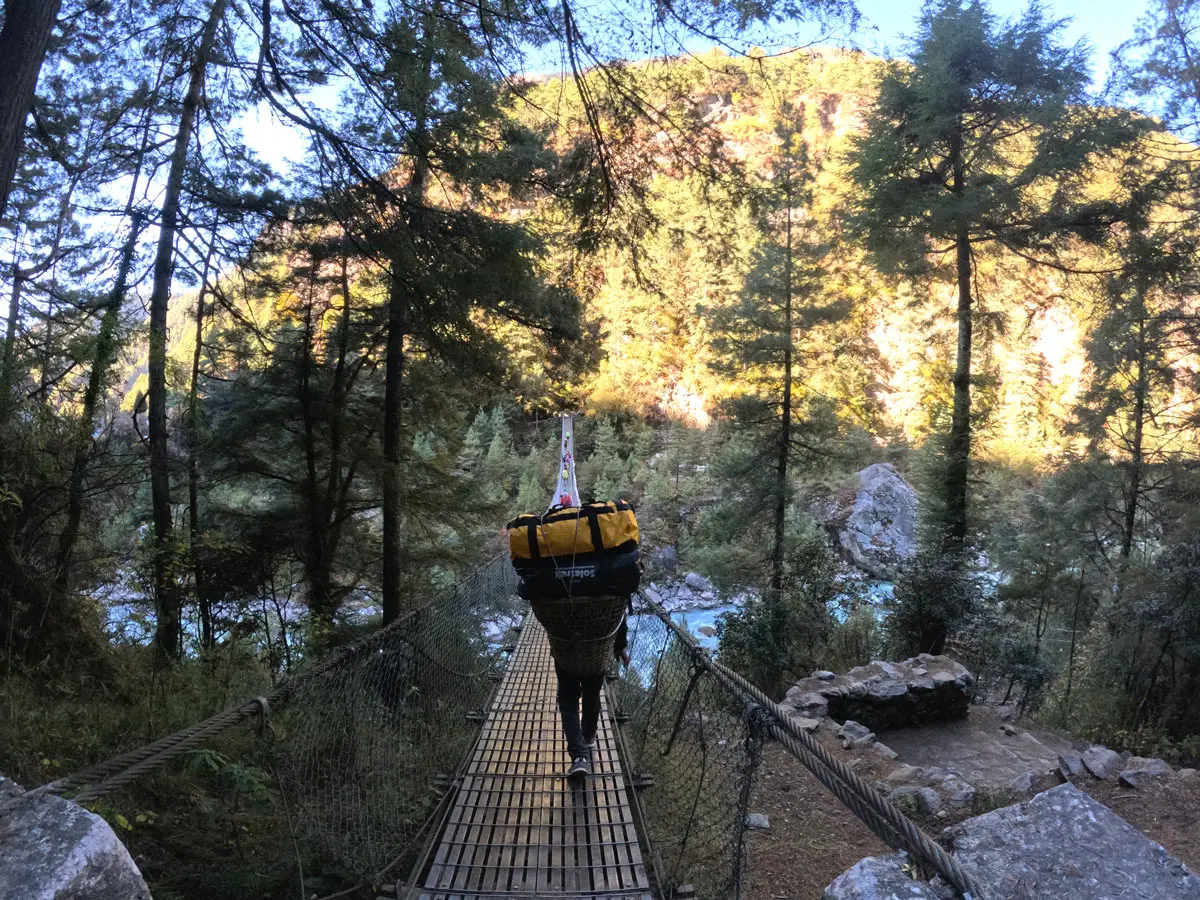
[881,816]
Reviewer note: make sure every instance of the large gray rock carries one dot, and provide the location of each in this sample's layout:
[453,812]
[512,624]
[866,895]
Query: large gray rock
[1139,771]
[880,878]
[1062,844]
[1102,762]
[1070,764]
[880,532]
[51,849]
[855,736]
[888,695]
[808,704]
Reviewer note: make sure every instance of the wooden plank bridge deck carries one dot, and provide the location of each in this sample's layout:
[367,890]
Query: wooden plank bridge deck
[518,828]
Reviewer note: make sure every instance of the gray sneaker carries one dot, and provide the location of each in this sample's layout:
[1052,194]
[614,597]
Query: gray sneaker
[581,767]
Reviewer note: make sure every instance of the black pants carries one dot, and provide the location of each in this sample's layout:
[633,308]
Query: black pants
[572,689]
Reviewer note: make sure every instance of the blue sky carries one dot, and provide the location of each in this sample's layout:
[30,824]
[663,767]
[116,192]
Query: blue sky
[1103,23]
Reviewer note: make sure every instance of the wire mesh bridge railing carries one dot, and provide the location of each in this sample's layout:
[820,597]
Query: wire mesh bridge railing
[346,785]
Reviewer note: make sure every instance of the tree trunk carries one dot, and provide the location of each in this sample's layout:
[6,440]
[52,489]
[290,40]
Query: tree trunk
[393,398]
[1136,450]
[23,42]
[958,449]
[318,569]
[203,599]
[169,633]
[10,336]
[103,359]
[785,426]
[106,351]
[393,439]
[1071,653]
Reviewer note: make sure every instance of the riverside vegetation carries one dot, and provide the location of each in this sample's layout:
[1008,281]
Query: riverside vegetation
[250,409]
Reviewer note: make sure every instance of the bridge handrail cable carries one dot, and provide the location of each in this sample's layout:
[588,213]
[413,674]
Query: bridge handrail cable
[876,812]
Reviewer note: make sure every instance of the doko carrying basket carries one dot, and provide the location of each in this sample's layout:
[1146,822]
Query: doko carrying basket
[578,566]
[581,630]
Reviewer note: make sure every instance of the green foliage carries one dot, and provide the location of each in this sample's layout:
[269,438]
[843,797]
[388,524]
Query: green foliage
[775,640]
[933,594]
[856,640]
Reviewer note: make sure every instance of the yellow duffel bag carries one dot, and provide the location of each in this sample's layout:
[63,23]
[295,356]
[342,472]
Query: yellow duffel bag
[574,532]
[590,550]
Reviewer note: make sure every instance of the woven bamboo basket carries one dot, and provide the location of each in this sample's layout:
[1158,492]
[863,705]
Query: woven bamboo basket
[581,630]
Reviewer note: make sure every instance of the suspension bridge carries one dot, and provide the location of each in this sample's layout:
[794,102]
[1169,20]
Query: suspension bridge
[425,761]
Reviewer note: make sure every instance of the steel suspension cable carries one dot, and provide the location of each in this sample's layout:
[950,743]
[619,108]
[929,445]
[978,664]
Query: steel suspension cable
[122,770]
[881,816]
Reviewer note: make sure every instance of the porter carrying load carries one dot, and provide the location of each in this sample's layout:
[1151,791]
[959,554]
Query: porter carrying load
[578,567]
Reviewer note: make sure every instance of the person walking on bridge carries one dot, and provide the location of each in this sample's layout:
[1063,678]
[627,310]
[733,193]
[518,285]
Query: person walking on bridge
[580,725]
[578,564]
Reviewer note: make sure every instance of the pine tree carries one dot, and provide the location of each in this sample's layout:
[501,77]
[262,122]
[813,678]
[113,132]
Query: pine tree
[770,339]
[1160,64]
[1134,412]
[24,39]
[984,139]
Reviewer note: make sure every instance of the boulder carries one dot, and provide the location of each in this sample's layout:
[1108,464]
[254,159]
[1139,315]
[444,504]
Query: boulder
[881,530]
[1139,771]
[758,820]
[929,801]
[1065,845]
[1102,762]
[1070,764]
[884,750]
[52,849]
[824,675]
[880,878]
[916,799]
[958,793]
[806,703]
[805,724]
[1022,784]
[1189,774]
[888,695]
[697,582]
[854,735]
